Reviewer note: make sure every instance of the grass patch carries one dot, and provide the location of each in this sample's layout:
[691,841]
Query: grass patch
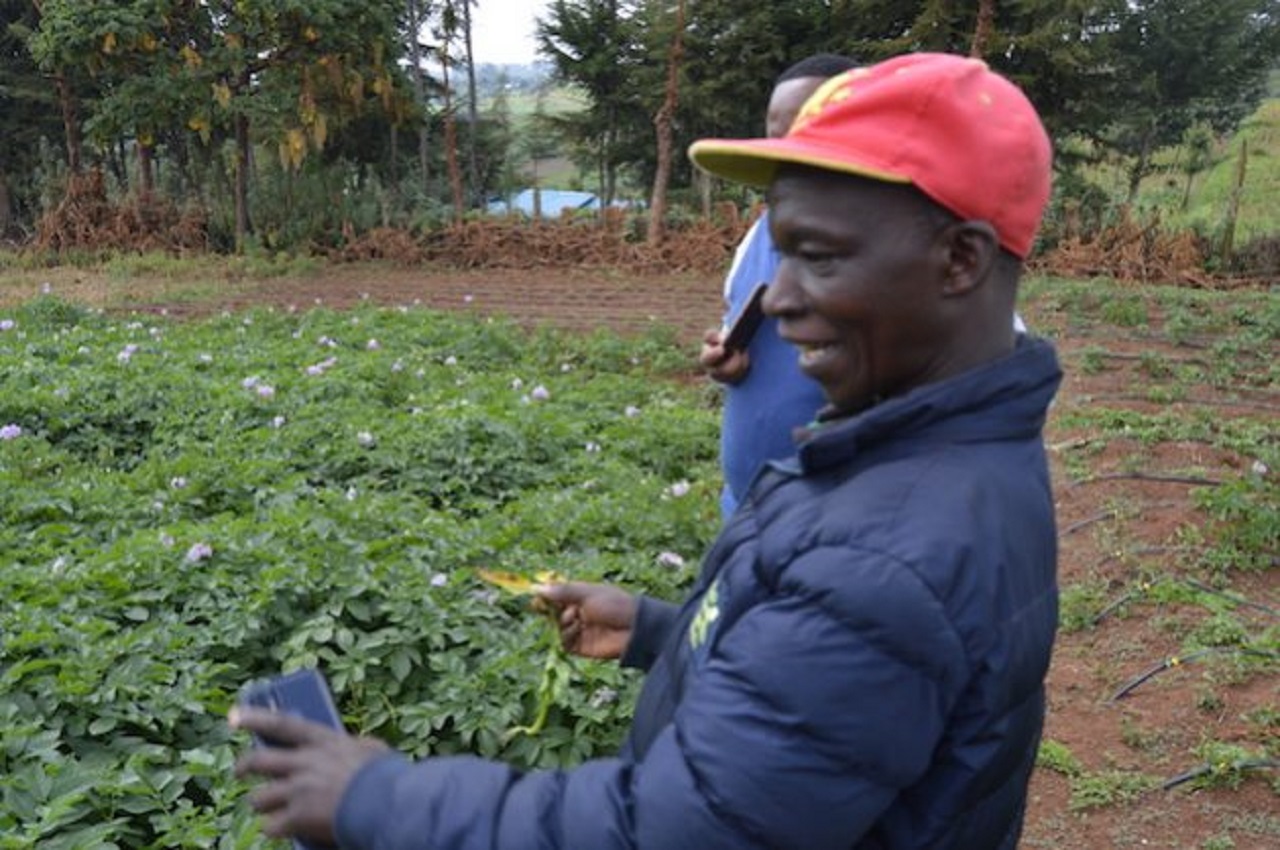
[1108,788]
[1056,756]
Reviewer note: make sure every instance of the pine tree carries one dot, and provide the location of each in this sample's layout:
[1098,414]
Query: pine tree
[594,45]
[1183,61]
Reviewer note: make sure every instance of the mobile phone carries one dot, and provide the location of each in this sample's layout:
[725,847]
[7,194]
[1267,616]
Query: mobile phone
[748,321]
[304,693]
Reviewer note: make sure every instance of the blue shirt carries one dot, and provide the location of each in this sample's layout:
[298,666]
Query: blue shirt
[762,410]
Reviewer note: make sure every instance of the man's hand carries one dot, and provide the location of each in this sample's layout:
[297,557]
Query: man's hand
[307,775]
[721,364]
[595,620]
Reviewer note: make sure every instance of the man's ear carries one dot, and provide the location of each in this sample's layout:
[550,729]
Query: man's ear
[972,248]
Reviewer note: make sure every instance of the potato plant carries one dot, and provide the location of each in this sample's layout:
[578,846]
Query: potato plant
[186,506]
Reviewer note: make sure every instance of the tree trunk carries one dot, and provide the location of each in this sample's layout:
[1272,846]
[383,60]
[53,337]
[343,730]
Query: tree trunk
[662,123]
[1227,248]
[984,28]
[451,140]
[70,122]
[146,171]
[473,116]
[243,223]
[420,89]
[1140,166]
[6,205]
[118,163]
[393,177]
[702,182]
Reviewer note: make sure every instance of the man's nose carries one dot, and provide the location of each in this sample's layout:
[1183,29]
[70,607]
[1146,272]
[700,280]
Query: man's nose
[782,295]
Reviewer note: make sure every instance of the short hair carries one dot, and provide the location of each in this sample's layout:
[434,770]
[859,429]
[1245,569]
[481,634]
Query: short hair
[823,65]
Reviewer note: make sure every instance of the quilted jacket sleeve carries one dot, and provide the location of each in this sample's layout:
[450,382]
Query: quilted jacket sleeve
[654,621]
[798,726]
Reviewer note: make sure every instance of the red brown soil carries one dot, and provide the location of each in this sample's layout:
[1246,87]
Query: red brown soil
[1120,523]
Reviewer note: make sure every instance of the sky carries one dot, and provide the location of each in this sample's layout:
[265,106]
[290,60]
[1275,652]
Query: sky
[502,30]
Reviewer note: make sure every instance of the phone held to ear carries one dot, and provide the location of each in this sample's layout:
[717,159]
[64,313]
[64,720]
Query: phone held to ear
[304,693]
[748,321]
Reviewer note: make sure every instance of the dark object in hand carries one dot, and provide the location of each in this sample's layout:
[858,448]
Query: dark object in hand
[304,693]
[744,327]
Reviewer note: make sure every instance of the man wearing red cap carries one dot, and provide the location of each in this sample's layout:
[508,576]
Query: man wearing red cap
[861,662]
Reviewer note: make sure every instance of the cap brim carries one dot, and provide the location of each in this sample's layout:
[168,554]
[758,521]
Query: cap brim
[755,161]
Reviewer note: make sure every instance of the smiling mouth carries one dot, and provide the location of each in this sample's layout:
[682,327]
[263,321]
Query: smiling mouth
[812,352]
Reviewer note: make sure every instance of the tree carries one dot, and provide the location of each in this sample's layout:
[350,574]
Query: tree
[982,30]
[417,13]
[28,114]
[295,68]
[595,46]
[449,32]
[59,61]
[285,70]
[1197,143]
[1183,61]
[662,124]
[473,113]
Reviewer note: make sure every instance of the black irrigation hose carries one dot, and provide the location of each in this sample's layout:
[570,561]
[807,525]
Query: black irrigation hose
[1194,480]
[1085,523]
[1240,765]
[1178,660]
[1198,585]
[1137,591]
[1239,600]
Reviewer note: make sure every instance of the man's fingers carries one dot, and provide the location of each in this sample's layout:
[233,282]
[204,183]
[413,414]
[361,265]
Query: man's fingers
[713,356]
[571,634]
[278,824]
[267,761]
[270,797]
[562,593]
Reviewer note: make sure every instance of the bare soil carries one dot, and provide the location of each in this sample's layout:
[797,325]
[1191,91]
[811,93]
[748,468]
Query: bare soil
[1124,508]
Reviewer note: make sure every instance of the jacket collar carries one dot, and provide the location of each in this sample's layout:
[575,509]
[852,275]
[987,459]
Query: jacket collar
[1005,399]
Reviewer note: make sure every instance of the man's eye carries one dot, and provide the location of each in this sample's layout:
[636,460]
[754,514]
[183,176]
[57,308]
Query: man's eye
[816,258]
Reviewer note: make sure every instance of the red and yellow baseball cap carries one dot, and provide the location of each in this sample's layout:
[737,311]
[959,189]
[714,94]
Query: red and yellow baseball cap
[948,125]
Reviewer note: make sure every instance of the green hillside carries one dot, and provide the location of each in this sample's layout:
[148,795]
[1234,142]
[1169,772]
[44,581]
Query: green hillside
[1210,196]
[1211,193]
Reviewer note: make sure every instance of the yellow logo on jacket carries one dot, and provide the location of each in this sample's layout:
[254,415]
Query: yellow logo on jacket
[708,612]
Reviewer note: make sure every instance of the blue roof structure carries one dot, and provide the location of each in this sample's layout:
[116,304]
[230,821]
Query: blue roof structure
[554,202]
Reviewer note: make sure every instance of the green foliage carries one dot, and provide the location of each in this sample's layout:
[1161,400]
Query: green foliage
[1219,630]
[1126,311]
[1079,605]
[1260,132]
[192,89]
[1107,788]
[1227,765]
[1247,512]
[188,506]
[1056,756]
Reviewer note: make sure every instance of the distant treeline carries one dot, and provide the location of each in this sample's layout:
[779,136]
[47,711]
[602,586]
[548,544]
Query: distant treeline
[288,125]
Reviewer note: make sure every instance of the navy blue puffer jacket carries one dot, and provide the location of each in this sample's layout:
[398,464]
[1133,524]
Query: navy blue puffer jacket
[860,665]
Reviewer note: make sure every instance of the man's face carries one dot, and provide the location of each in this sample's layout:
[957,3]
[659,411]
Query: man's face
[785,104]
[860,289]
